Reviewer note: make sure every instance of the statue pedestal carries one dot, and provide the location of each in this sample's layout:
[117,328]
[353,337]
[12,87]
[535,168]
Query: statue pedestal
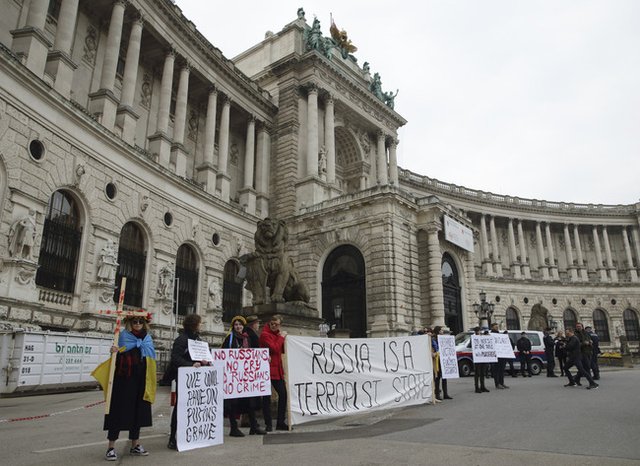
[18,279]
[295,314]
[339,333]
[101,296]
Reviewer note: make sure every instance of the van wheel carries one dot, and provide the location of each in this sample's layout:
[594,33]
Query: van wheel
[465,369]
[536,367]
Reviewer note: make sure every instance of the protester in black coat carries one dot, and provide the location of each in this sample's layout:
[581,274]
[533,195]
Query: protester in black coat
[586,349]
[560,349]
[180,357]
[497,368]
[479,370]
[549,345]
[524,348]
[574,358]
[595,341]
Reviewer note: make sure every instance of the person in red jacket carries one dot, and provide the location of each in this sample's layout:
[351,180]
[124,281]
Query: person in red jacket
[273,338]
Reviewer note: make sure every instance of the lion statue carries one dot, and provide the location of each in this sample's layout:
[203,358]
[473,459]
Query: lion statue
[270,266]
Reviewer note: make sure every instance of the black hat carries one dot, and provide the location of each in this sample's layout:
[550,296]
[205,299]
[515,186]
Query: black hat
[251,319]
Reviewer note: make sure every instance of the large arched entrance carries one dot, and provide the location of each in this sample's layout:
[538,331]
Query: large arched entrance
[343,290]
[452,301]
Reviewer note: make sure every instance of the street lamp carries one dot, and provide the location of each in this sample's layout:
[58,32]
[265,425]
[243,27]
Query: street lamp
[337,313]
[484,310]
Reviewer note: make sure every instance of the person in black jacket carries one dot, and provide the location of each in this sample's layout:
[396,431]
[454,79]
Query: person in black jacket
[497,368]
[479,369]
[561,352]
[549,345]
[524,348]
[574,358]
[595,351]
[586,349]
[180,358]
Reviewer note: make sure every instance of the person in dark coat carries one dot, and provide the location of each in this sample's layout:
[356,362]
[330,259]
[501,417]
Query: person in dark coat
[586,349]
[524,348]
[437,330]
[180,357]
[595,351]
[130,408]
[497,368]
[574,358]
[273,338]
[233,407]
[549,345]
[479,370]
[560,348]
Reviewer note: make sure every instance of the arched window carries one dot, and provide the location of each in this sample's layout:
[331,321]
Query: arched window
[601,325]
[187,277]
[451,289]
[513,320]
[231,291]
[60,245]
[132,260]
[631,328]
[343,290]
[569,319]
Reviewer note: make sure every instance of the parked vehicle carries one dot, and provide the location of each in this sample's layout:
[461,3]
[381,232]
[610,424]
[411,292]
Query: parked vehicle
[465,355]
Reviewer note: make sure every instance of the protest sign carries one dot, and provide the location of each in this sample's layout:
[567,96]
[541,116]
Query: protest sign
[246,371]
[199,350]
[199,408]
[483,349]
[448,358]
[502,344]
[329,377]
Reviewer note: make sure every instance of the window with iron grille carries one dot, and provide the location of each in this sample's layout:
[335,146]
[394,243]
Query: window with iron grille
[132,259]
[187,280]
[601,325]
[569,319]
[231,291]
[513,321]
[60,244]
[631,328]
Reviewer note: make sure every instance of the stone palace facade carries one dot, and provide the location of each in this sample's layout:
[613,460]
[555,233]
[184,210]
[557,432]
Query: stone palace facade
[132,147]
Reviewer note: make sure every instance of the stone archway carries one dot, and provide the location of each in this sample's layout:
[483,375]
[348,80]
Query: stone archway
[539,318]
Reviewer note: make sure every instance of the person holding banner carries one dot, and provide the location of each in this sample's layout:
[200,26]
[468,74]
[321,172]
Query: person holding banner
[497,368]
[273,338]
[437,369]
[180,357]
[233,407]
[134,386]
[479,369]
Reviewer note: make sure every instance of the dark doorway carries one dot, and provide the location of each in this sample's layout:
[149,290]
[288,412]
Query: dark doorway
[452,302]
[343,287]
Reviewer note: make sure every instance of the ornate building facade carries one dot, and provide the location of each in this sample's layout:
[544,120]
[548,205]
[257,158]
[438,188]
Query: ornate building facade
[132,147]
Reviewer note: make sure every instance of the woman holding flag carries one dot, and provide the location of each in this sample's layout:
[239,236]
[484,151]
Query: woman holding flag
[134,385]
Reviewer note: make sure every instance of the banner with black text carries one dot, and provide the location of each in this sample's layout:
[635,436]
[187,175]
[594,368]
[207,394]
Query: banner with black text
[330,377]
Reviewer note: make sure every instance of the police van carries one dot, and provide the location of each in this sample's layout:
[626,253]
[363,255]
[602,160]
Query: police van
[538,359]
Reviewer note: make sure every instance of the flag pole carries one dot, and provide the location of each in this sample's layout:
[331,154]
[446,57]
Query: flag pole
[116,337]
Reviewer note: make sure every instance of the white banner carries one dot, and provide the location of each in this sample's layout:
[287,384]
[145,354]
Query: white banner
[502,345]
[199,350]
[330,377]
[458,234]
[246,371]
[483,349]
[448,358]
[199,407]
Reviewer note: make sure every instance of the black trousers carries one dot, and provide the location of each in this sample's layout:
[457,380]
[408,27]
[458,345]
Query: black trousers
[594,366]
[525,361]
[582,371]
[281,390]
[586,366]
[497,370]
[551,364]
[436,381]
[562,362]
[134,434]
[478,375]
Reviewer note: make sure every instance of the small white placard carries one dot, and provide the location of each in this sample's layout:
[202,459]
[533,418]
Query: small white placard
[199,351]
[483,349]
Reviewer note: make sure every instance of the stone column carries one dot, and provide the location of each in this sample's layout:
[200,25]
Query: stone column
[636,244]
[544,269]
[633,274]
[126,118]
[515,265]
[224,180]
[613,272]
[178,151]
[160,143]
[583,270]
[436,292]
[30,43]
[207,171]
[393,161]
[312,131]
[599,265]
[262,172]
[103,102]
[383,177]
[330,140]
[552,255]
[59,63]
[573,272]
[524,259]
[248,194]
[494,246]
[487,265]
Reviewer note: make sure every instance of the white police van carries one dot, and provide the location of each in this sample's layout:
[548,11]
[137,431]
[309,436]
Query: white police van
[538,359]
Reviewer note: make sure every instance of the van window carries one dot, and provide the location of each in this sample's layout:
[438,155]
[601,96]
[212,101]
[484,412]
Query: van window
[534,338]
[462,337]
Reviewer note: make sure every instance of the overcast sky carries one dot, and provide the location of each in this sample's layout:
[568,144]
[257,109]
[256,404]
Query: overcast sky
[537,99]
